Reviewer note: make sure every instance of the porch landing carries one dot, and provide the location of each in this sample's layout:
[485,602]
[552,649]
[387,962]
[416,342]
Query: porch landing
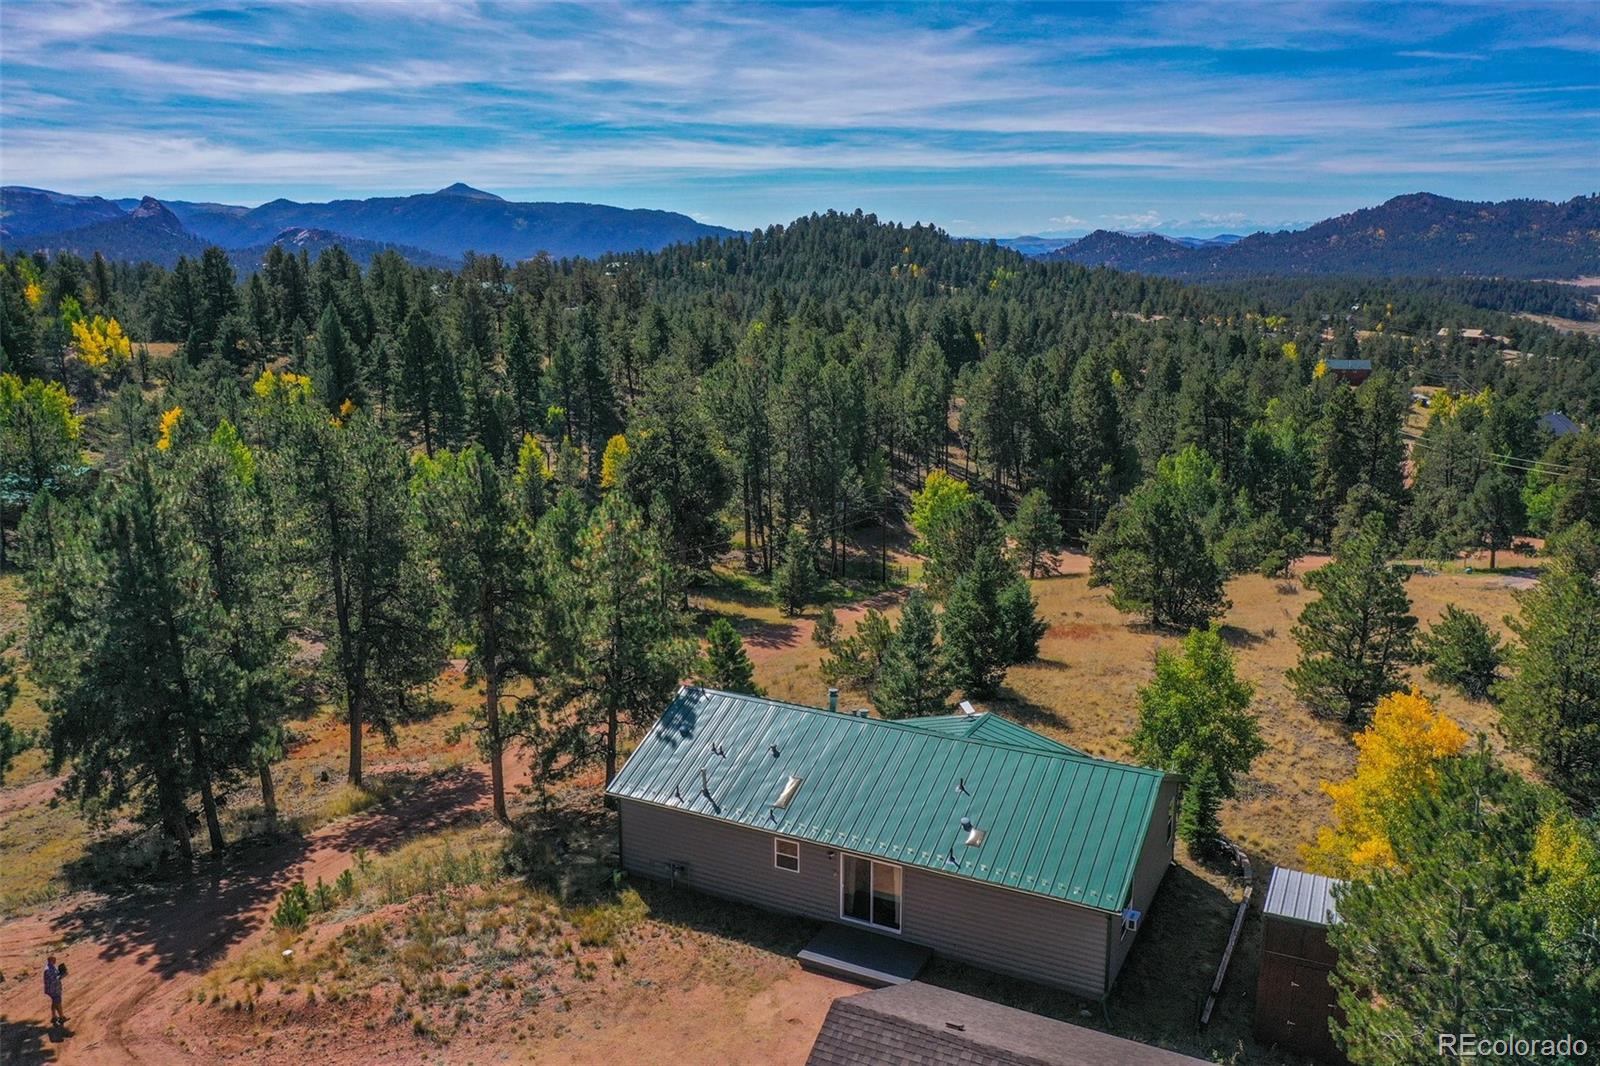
[862,956]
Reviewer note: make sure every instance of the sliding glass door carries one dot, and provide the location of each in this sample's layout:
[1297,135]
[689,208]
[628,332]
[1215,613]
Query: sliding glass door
[869,892]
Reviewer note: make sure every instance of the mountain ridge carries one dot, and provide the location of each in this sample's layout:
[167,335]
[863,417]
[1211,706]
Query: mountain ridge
[1415,233]
[445,224]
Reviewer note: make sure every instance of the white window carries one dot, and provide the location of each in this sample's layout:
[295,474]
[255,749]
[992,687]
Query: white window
[869,892]
[785,854]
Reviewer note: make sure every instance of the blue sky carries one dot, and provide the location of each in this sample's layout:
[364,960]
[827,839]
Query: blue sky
[1191,118]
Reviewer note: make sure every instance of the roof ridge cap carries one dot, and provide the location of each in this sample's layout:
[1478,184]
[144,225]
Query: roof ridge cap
[1076,756]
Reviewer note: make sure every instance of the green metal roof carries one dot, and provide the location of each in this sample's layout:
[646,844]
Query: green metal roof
[1057,823]
[986,726]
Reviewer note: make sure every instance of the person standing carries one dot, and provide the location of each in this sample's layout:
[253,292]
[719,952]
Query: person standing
[52,988]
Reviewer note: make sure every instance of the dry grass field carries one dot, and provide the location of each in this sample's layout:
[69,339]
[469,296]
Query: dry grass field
[437,953]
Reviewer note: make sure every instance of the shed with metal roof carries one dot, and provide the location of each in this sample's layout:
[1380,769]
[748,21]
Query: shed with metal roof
[981,840]
[1294,1001]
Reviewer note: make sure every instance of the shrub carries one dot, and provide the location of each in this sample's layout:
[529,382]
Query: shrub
[1462,651]
[294,909]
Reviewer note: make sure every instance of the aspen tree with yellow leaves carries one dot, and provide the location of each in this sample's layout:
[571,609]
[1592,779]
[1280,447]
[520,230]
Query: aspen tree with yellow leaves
[1397,757]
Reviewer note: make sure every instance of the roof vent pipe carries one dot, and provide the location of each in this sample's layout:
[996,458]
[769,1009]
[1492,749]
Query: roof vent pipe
[833,699]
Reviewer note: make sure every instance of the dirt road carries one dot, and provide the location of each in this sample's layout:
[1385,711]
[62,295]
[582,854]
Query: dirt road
[132,960]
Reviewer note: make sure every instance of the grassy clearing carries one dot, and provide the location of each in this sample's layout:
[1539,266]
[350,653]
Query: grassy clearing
[440,937]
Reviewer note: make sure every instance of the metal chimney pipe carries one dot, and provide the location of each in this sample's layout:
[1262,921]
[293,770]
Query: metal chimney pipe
[833,699]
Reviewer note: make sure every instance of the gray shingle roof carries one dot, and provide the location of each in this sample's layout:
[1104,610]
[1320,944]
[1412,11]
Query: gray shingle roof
[917,1024]
[1301,897]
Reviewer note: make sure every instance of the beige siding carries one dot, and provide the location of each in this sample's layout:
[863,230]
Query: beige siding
[1153,863]
[998,929]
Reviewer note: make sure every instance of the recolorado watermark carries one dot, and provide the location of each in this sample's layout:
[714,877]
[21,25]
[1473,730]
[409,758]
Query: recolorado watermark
[1473,1045]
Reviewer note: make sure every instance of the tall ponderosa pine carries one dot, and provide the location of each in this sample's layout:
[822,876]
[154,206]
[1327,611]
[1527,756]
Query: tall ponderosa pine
[627,659]
[673,473]
[485,553]
[726,664]
[911,682]
[145,698]
[1357,637]
[1495,513]
[227,518]
[371,594]
[1550,705]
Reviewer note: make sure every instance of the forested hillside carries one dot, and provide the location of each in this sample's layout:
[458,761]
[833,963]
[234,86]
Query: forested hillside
[782,396]
[235,500]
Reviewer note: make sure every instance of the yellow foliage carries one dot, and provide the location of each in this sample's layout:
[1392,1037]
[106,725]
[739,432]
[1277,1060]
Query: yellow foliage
[1291,351]
[347,408]
[34,294]
[1321,368]
[612,461]
[1453,405]
[1396,759]
[290,386]
[169,422]
[101,343]
[1568,857]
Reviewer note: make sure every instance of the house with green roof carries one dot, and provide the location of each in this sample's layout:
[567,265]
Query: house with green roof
[967,834]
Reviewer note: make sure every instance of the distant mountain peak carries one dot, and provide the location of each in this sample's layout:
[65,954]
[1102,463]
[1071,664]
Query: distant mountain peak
[150,207]
[461,188]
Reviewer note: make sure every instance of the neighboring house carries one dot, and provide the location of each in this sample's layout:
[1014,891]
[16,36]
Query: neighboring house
[932,1026]
[971,836]
[1294,1001]
[1558,425]
[1353,371]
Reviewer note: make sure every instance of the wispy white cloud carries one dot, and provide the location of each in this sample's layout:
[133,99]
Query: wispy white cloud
[1182,111]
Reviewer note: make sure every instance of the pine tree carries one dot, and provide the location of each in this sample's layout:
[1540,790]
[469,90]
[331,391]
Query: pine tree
[1451,934]
[40,449]
[135,655]
[826,630]
[226,514]
[524,370]
[370,590]
[10,743]
[1153,553]
[1462,651]
[988,623]
[1550,705]
[1198,824]
[794,582]
[1357,637]
[727,665]
[1036,530]
[1495,513]
[484,551]
[332,362]
[1195,720]
[912,681]
[626,659]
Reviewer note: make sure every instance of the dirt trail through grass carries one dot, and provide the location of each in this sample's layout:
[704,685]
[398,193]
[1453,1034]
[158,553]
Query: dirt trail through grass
[132,960]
